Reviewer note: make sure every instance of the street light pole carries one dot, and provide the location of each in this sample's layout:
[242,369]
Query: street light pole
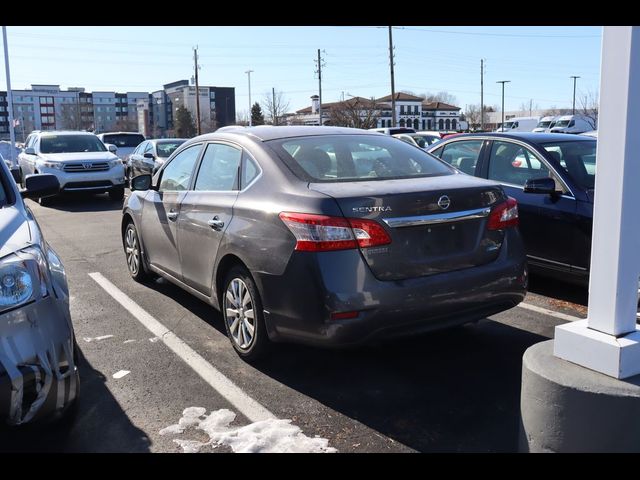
[248,72]
[575,77]
[12,132]
[503,82]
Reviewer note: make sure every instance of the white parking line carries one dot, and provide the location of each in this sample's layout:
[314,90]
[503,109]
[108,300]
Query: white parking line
[546,311]
[225,387]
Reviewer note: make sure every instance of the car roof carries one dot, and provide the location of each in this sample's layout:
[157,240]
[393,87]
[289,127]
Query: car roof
[63,132]
[156,140]
[120,133]
[531,137]
[267,132]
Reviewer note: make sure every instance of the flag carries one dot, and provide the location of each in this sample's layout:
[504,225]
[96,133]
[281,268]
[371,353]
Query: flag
[16,122]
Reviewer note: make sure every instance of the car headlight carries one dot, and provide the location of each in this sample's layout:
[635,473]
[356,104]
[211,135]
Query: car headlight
[56,165]
[115,163]
[23,278]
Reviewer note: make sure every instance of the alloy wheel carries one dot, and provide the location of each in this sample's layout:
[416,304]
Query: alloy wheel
[132,250]
[239,313]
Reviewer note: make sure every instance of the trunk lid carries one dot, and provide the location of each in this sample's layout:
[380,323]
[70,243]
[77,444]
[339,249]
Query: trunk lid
[426,237]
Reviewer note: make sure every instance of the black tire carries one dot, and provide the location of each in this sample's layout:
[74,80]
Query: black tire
[131,240]
[116,193]
[259,343]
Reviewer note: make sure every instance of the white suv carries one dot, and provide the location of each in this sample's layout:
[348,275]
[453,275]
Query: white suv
[79,160]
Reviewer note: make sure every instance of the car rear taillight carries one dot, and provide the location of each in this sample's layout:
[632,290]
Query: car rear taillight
[321,233]
[504,215]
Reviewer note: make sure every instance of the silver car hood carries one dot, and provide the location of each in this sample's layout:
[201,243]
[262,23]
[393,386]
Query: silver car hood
[14,230]
[79,156]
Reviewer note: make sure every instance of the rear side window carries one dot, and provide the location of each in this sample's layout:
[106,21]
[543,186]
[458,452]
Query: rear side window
[340,158]
[462,154]
[249,171]
[219,168]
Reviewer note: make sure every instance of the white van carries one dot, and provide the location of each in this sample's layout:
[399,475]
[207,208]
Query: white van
[519,124]
[546,124]
[572,124]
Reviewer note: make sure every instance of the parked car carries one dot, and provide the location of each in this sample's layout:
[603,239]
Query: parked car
[324,235]
[393,130]
[519,124]
[572,124]
[151,155]
[79,160]
[417,139]
[5,156]
[38,372]
[552,176]
[546,124]
[126,142]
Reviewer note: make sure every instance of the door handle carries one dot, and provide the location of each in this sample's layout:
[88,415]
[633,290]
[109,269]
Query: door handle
[216,223]
[172,215]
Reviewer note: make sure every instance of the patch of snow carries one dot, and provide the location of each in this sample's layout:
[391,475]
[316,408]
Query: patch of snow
[96,339]
[128,341]
[121,373]
[266,436]
[154,339]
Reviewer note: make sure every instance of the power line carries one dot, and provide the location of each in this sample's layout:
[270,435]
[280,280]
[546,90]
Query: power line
[484,34]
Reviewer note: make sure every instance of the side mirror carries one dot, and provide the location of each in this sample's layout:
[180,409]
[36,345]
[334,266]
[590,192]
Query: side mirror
[112,148]
[544,185]
[141,182]
[40,185]
[148,155]
[30,151]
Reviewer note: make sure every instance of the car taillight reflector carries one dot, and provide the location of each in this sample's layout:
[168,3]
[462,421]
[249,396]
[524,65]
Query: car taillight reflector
[320,233]
[344,315]
[504,215]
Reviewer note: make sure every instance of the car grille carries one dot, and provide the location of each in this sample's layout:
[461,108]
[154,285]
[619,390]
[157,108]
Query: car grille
[87,185]
[86,167]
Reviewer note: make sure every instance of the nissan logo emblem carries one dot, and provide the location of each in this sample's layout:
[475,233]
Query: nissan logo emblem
[444,202]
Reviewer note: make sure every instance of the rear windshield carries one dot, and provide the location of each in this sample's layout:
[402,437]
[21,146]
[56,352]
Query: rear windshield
[71,143]
[578,159]
[165,149]
[340,158]
[124,139]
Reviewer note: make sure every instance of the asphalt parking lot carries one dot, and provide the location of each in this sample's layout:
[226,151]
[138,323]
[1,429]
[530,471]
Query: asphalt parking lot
[452,391]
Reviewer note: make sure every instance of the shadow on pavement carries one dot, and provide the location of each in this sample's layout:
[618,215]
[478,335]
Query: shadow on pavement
[99,425]
[554,288]
[84,202]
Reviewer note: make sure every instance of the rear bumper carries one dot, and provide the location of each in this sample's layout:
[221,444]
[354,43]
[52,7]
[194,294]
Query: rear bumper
[38,375]
[299,303]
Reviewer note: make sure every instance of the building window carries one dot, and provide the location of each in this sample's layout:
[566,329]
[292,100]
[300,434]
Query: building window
[401,109]
[388,123]
[423,124]
[402,122]
[453,124]
[448,124]
[441,124]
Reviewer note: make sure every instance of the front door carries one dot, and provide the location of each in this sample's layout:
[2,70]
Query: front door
[162,209]
[547,222]
[206,213]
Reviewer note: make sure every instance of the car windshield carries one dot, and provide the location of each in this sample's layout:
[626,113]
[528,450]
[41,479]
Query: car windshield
[544,124]
[508,125]
[577,158]
[71,143]
[562,123]
[124,139]
[165,149]
[340,158]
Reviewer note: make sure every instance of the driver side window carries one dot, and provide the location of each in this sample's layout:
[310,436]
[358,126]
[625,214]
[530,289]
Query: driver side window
[177,174]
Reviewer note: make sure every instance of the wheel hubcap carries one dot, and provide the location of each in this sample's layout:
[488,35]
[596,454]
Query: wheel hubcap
[239,314]
[132,251]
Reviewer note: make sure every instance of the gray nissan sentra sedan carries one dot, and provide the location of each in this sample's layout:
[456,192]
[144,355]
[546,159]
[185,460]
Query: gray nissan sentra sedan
[323,235]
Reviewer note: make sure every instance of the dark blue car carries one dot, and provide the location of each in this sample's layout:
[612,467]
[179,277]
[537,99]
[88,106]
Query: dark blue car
[552,176]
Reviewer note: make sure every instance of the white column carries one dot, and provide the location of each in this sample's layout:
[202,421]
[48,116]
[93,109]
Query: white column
[609,340]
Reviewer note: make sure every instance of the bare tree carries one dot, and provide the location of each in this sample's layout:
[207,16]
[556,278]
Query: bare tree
[69,116]
[242,117]
[528,107]
[126,124]
[472,115]
[589,107]
[444,97]
[357,112]
[208,125]
[275,105]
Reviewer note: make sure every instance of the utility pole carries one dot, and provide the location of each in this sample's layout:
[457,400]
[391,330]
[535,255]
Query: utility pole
[320,62]
[12,132]
[273,104]
[393,88]
[503,82]
[248,72]
[195,59]
[482,94]
[573,110]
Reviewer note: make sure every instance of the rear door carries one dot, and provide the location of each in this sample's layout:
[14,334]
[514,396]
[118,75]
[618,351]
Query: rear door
[462,154]
[547,222]
[162,208]
[206,212]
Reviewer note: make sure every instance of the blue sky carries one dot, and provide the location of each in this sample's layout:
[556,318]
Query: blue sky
[537,60]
